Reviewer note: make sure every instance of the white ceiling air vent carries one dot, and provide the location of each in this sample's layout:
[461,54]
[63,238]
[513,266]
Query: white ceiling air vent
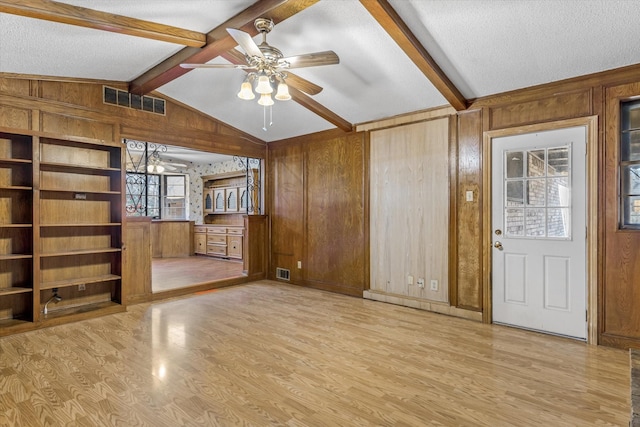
[282,273]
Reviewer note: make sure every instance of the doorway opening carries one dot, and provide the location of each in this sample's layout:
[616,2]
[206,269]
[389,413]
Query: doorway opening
[172,187]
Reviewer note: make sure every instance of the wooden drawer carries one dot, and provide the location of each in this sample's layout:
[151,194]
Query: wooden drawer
[216,230]
[234,249]
[199,229]
[219,239]
[236,231]
[216,250]
[200,243]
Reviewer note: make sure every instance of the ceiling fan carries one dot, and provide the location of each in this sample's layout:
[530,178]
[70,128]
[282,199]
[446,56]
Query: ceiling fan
[154,163]
[267,65]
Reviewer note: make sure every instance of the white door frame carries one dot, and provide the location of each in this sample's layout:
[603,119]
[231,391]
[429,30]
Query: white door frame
[591,124]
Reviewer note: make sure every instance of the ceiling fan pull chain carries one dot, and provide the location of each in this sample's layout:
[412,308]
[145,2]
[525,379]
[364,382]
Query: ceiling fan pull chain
[264,118]
[270,116]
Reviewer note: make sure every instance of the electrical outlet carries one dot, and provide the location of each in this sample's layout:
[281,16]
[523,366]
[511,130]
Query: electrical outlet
[421,283]
[299,264]
[82,287]
[409,280]
[434,285]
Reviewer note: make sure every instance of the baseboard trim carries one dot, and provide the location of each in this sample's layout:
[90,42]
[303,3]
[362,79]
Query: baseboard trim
[421,304]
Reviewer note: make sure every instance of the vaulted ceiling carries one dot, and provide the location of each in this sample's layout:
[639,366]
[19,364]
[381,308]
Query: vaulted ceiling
[396,56]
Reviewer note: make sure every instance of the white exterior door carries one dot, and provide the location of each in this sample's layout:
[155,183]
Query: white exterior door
[539,231]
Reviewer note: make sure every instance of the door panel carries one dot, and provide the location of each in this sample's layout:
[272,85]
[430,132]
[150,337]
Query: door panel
[538,223]
[515,278]
[556,283]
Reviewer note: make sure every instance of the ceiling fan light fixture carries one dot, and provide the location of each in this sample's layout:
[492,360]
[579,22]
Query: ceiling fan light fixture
[246,91]
[283,92]
[155,168]
[265,100]
[264,87]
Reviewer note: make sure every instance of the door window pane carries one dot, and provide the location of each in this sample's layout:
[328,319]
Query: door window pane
[514,220]
[538,205]
[558,161]
[535,192]
[536,163]
[514,164]
[515,194]
[558,193]
[558,222]
[535,222]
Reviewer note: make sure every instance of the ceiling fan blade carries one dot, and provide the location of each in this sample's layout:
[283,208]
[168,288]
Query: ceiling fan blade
[303,85]
[179,165]
[241,66]
[328,57]
[246,42]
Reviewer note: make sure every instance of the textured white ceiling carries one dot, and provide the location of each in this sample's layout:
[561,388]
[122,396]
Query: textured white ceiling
[484,46]
[489,47]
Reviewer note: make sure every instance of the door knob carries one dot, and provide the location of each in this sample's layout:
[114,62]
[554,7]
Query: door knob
[497,245]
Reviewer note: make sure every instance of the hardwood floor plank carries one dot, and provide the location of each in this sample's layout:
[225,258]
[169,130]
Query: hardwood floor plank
[173,273]
[269,353]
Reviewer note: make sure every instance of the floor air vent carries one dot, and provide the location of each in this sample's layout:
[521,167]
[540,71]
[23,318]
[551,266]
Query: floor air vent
[282,273]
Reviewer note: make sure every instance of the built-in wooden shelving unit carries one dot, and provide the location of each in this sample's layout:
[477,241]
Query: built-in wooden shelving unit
[60,229]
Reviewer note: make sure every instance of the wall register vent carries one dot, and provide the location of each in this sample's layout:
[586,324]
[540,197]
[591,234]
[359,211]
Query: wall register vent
[282,273]
[125,99]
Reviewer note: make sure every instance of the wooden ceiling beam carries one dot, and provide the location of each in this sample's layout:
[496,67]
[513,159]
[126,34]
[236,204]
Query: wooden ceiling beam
[393,24]
[317,108]
[74,15]
[218,42]
[298,96]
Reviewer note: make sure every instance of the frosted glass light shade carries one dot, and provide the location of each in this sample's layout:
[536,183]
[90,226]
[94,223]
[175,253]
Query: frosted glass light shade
[155,168]
[246,92]
[283,92]
[263,85]
[265,99]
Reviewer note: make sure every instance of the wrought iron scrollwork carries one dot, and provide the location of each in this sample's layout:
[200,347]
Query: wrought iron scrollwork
[139,156]
[136,194]
[252,169]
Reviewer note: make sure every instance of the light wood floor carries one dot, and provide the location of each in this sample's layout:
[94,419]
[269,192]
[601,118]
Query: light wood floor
[267,354]
[173,273]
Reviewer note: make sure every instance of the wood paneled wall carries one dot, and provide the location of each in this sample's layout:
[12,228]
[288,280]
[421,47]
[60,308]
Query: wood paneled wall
[620,294]
[76,109]
[136,260]
[468,238]
[409,193]
[317,209]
